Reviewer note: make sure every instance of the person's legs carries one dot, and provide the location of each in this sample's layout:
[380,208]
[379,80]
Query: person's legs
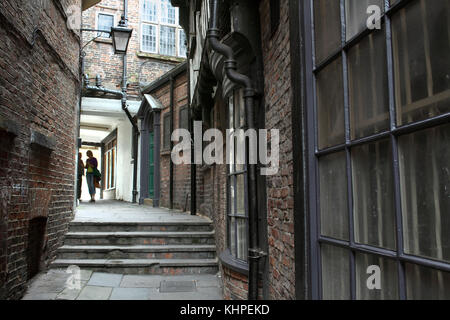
[79,185]
[90,181]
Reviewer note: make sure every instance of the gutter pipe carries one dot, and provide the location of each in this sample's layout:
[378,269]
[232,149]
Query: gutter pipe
[230,65]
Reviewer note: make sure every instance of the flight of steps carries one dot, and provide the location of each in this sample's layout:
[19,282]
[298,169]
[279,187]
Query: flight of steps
[168,248]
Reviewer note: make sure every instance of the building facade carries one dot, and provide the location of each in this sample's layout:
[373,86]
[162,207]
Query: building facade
[40,91]
[362,110]
[156,46]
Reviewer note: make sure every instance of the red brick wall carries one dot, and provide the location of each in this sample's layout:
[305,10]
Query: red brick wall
[39,86]
[100,57]
[278,97]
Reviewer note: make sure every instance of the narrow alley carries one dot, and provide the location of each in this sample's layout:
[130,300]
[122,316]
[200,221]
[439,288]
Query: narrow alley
[131,252]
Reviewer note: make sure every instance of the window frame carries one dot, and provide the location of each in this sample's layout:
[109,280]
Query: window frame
[166,136]
[98,13]
[110,160]
[232,177]
[158,24]
[316,240]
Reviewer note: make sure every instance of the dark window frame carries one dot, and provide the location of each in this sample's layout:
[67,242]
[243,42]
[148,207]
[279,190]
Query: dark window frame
[180,118]
[166,134]
[393,134]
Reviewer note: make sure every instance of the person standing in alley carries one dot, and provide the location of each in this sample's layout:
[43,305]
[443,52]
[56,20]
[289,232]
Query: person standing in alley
[80,176]
[91,173]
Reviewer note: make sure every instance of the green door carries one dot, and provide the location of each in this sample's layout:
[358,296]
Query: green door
[151,186]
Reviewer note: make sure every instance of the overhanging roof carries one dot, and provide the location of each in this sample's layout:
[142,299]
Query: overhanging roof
[89,3]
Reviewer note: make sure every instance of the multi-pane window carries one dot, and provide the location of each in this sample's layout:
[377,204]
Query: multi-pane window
[104,22]
[160,32]
[109,159]
[237,174]
[184,118]
[379,136]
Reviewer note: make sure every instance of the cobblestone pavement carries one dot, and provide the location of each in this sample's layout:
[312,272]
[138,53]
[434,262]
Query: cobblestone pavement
[56,285]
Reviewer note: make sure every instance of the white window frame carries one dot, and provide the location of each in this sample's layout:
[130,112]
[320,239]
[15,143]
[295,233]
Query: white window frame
[106,14]
[158,25]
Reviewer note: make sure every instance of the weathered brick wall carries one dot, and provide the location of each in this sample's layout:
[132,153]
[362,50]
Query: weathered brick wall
[39,86]
[278,97]
[181,173]
[100,57]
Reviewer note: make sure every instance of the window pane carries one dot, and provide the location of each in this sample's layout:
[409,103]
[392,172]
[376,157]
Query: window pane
[232,195]
[232,228]
[335,273]
[388,278]
[150,11]
[330,105]
[356,15]
[148,38]
[368,86]
[426,284]
[240,193]
[373,195]
[242,239]
[167,12]
[421,46]
[105,22]
[425,185]
[167,41]
[182,45]
[333,196]
[167,133]
[327,24]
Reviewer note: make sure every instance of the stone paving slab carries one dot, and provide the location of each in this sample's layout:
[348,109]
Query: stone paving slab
[105,279]
[130,294]
[95,293]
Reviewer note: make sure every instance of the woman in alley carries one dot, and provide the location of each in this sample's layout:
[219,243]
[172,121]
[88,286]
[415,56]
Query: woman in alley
[92,174]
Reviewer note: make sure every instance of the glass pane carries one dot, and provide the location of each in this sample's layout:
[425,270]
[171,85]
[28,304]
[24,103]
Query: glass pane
[421,48]
[150,11]
[240,194]
[167,12]
[327,25]
[330,105]
[356,15]
[105,22]
[232,195]
[368,86]
[148,38]
[232,228]
[167,41]
[242,239]
[424,283]
[371,287]
[335,273]
[373,195]
[182,45]
[425,185]
[333,196]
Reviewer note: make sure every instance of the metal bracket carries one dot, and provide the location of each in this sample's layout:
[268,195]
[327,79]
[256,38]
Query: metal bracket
[256,253]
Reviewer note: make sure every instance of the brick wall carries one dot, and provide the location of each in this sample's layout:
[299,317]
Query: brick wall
[280,201]
[100,57]
[39,86]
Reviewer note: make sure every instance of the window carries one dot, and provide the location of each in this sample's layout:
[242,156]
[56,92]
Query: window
[167,133]
[104,22]
[184,118]
[379,132]
[109,159]
[160,32]
[237,176]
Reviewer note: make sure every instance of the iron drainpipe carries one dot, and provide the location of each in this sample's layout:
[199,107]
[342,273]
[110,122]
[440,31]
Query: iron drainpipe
[193,208]
[254,253]
[172,102]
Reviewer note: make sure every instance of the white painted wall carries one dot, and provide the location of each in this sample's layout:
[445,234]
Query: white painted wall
[124,182]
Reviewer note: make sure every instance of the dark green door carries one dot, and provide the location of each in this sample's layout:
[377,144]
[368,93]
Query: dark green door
[151,186]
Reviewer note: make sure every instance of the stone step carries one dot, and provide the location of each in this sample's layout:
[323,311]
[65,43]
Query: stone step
[142,266]
[81,226]
[137,252]
[139,238]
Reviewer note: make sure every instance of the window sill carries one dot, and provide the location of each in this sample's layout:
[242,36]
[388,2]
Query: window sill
[166,152]
[156,56]
[232,263]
